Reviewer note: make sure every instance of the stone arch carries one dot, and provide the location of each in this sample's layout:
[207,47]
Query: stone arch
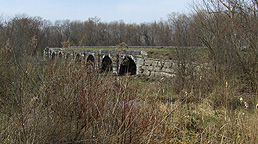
[78,58]
[53,55]
[91,58]
[106,65]
[60,54]
[127,66]
[68,55]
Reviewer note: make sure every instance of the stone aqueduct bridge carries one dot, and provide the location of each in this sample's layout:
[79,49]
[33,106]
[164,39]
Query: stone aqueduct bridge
[116,61]
[121,61]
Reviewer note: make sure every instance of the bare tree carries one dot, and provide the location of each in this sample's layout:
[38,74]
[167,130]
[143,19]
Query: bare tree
[229,31]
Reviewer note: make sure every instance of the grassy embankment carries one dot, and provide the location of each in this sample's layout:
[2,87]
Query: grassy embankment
[154,52]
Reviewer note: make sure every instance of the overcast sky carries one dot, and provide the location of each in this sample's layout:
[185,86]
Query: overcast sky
[131,11]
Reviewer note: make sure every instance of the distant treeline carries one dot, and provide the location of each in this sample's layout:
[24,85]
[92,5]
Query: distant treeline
[34,33]
[220,26]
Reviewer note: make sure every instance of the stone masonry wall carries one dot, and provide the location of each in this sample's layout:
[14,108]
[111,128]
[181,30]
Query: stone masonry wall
[144,65]
[157,67]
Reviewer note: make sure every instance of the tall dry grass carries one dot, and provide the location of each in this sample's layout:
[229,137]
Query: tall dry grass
[66,102]
[61,101]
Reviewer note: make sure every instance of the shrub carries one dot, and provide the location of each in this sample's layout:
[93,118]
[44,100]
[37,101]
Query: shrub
[67,102]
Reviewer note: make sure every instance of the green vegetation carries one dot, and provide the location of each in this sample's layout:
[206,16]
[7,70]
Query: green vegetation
[164,53]
[114,48]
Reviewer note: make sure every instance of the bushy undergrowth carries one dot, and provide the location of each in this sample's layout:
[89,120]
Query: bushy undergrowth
[63,102]
[59,101]
[207,112]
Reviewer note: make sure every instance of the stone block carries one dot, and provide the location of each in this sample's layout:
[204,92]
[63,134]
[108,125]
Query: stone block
[148,62]
[168,70]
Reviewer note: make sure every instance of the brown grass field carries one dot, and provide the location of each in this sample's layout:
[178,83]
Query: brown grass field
[57,101]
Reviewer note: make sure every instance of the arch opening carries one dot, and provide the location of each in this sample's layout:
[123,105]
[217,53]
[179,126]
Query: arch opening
[127,66]
[78,58]
[106,65]
[67,55]
[90,59]
[60,55]
[53,55]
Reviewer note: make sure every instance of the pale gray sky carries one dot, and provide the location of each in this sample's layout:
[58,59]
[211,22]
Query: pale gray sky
[131,11]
